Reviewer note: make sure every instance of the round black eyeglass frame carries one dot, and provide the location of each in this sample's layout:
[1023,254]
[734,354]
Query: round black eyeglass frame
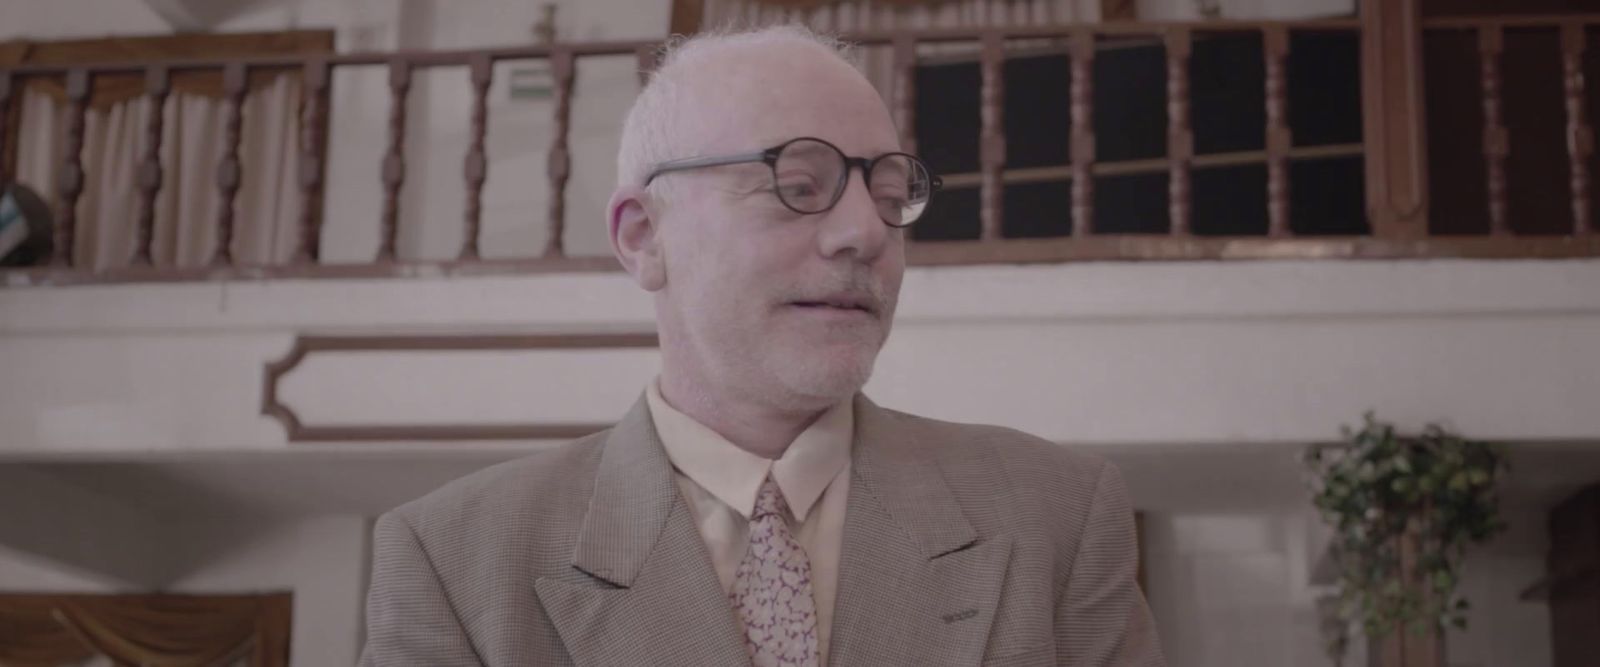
[769,157]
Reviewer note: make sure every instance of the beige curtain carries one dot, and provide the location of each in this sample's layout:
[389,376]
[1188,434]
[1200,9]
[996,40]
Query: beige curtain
[185,233]
[876,16]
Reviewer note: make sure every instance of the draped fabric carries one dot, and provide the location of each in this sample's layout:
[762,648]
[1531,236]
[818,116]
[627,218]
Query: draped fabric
[30,636]
[266,207]
[187,206]
[144,630]
[114,88]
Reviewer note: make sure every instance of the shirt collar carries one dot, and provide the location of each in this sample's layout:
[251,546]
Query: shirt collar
[734,476]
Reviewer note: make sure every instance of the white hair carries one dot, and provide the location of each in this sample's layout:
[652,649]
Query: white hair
[651,134]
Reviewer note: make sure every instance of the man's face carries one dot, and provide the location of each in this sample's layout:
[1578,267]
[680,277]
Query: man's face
[783,308]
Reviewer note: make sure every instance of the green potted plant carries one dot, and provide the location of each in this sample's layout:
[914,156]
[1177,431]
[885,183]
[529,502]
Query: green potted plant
[1404,508]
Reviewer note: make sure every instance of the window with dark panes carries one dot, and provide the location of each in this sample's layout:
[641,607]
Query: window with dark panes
[1227,78]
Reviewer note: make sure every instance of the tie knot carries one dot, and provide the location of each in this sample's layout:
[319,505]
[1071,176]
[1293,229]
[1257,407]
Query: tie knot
[770,501]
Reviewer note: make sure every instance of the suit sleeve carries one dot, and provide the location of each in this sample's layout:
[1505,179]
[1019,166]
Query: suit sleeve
[1101,615]
[410,621]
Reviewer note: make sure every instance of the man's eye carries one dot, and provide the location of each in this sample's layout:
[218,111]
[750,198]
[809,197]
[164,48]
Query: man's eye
[797,189]
[893,195]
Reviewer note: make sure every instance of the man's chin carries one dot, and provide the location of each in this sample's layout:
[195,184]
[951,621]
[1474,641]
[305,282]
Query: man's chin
[828,380]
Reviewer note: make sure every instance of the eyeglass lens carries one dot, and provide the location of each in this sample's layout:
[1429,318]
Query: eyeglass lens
[811,176]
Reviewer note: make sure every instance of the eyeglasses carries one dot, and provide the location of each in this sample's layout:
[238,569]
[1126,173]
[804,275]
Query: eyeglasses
[809,176]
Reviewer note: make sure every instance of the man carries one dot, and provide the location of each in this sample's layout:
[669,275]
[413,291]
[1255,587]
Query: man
[753,508]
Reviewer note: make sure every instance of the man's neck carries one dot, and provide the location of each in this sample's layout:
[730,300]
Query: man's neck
[758,429]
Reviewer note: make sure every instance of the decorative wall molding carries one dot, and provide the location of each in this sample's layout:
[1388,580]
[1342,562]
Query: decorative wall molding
[307,345]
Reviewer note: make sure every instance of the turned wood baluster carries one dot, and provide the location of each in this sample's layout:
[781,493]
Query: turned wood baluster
[71,185]
[1082,131]
[1180,138]
[992,156]
[394,161]
[646,55]
[1279,137]
[905,91]
[235,83]
[1580,136]
[1496,141]
[5,123]
[158,83]
[560,160]
[313,159]
[477,161]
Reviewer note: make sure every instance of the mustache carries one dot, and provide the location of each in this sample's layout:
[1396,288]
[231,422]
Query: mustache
[862,288]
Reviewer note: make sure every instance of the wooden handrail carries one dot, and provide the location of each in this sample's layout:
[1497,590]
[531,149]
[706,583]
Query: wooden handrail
[1528,21]
[1020,175]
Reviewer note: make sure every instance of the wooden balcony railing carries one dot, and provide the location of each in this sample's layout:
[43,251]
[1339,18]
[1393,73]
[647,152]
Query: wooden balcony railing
[1394,146]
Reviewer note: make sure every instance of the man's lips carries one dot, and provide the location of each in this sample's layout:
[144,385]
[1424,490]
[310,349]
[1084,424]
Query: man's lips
[846,302]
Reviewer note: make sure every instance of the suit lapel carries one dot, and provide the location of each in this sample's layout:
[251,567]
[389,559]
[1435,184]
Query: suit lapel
[917,583]
[642,589]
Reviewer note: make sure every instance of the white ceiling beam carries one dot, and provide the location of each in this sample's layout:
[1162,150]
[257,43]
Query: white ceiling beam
[178,14]
[67,524]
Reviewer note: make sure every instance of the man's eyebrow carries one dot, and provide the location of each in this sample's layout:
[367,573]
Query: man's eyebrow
[748,177]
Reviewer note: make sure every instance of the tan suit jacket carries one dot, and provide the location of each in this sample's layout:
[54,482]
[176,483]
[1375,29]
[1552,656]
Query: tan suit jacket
[963,545]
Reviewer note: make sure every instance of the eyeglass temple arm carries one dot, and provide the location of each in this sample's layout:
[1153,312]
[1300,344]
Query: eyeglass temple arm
[701,162]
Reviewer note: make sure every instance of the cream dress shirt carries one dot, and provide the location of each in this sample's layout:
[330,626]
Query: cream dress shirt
[720,481]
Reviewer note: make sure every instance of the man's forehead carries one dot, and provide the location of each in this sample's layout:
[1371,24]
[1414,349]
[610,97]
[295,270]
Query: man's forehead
[754,99]
[724,130]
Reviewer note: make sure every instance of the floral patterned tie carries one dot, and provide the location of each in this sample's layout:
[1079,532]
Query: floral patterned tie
[772,590]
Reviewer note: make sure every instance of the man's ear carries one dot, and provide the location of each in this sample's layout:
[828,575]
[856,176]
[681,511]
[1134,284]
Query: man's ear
[635,237]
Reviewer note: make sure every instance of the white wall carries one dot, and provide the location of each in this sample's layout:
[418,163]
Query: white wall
[1502,630]
[74,19]
[1267,352]
[24,572]
[1233,590]
[78,527]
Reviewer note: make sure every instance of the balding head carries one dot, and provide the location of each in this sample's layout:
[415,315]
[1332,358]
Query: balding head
[677,113]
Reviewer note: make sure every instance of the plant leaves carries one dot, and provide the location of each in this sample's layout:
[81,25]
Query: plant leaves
[1384,485]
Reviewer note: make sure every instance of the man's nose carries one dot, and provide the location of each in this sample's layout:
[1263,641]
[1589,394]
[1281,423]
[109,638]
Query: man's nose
[853,226]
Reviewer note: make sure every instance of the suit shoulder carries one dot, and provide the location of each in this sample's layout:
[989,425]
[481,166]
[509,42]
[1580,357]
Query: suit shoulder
[958,441]
[1041,493]
[544,480]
